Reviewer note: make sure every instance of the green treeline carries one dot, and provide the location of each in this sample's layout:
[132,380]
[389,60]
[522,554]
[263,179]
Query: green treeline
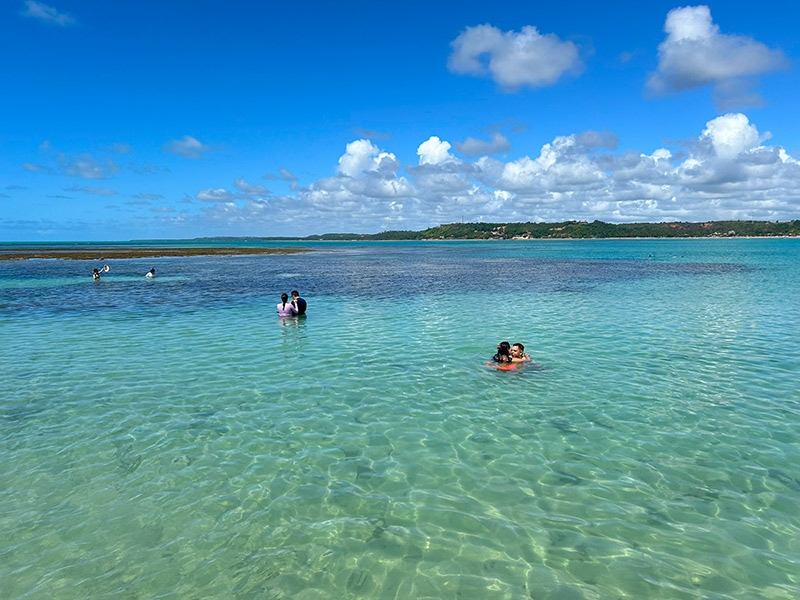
[578,230]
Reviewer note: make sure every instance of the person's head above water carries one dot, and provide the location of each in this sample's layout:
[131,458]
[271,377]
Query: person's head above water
[295,294]
[284,298]
[503,352]
[517,349]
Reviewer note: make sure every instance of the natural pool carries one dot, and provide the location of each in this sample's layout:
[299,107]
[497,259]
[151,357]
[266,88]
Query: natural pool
[175,439]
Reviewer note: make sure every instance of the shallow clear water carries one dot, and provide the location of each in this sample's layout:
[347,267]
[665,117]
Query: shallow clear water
[175,439]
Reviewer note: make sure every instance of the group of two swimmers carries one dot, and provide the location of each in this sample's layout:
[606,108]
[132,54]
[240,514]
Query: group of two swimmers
[290,309]
[506,353]
[104,269]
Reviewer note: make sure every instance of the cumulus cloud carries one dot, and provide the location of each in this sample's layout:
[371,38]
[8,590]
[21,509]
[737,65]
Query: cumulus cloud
[46,14]
[696,54]
[434,151]
[475,147]
[250,189]
[187,147]
[727,171]
[513,59]
[730,135]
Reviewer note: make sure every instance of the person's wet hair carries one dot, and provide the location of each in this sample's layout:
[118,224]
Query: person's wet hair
[284,299]
[503,352]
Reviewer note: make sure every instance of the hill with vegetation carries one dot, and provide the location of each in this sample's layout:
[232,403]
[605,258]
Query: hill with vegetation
[580,230]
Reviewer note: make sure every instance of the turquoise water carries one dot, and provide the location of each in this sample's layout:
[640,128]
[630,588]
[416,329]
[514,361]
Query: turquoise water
[175,439]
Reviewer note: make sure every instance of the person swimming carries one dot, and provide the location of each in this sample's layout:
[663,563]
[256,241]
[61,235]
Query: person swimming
[96,272]
[150,274]
[286,308]
[518,354]
[503,353]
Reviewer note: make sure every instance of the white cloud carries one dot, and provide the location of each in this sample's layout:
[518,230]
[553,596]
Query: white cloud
[360,155]
[731,135]
[695,54]
[250,189]
[726,172]
[434,151]
[215,195]
[187,147]
[286,175]
[475,147]
[86,166]
[46,14]
[147,196]
[512,59]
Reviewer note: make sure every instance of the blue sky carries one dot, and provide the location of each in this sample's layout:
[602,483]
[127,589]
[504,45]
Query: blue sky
[184,119]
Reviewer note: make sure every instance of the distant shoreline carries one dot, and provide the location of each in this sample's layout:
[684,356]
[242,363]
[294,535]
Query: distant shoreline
[73,253]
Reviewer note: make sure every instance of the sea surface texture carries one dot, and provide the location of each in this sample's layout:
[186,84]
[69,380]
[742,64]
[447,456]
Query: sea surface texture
[173,438]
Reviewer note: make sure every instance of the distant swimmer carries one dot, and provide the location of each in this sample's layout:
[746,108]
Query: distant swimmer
[286,308]
[96,272]
[151,273]
[299,303]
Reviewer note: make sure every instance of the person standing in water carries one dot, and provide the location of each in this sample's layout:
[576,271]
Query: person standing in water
[151,273]
[286,308]
[299,303]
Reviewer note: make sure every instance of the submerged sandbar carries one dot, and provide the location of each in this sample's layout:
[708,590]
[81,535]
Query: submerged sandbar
[73,253]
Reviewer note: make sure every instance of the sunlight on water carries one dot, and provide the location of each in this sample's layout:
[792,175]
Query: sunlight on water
[175,439]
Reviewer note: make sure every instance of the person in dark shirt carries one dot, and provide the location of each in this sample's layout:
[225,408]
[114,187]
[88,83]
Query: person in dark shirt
[298,302]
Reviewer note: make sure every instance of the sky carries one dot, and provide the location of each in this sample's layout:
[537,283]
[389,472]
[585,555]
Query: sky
[174,120]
